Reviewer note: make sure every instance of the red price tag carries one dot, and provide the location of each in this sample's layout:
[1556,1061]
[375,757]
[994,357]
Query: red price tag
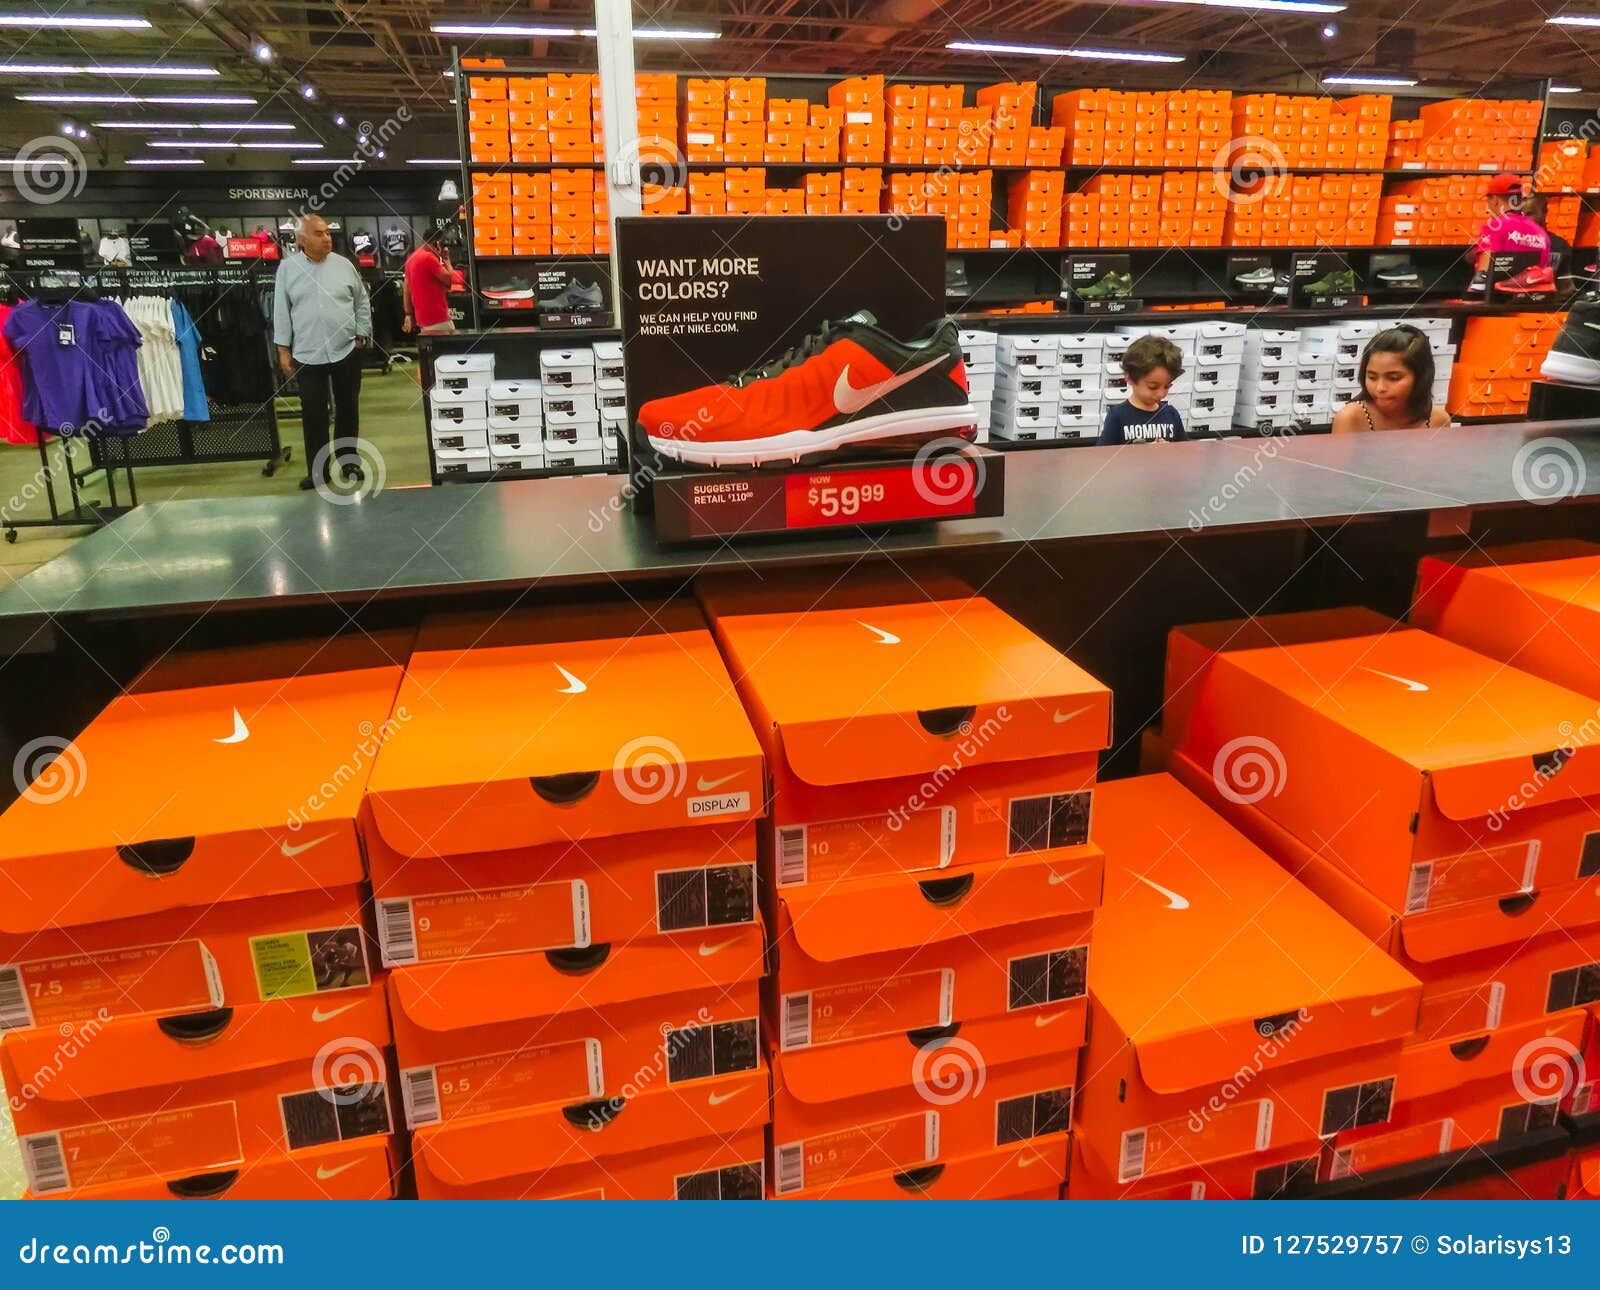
[945,488]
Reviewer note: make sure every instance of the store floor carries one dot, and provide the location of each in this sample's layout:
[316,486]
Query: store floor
[391,418]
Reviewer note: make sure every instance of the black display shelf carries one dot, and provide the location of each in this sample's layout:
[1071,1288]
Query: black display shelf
[964,166]
[1266,314]
[1206,250]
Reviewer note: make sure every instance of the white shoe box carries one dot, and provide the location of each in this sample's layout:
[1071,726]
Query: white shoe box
[462,461]
[473,398]
[1089,410]
[578,408]
[567,369]
[1079,430]
[1114,388]
[1347,376]
[1212,377]
[1272,348]
[507,391]
[1025,383]
[460,364]
[980,388]
[505,456]
[1030,432]
[1114,346]
[564,438]
[1263,416]
[1082,352]
[608,363]
[1224,349]
[1184,340]
[979,350]
[1025,413]
[567,458]
[1259,402]
[1266,378]
[613,404]
[515,409]
[1210,425]
[1217,405]
[475,435]
[1038,353]
[474,384]
[516,436]
[1080,385]
[460,415]
[1315,406]
[1180,403]
[1314,374]
[1440,392]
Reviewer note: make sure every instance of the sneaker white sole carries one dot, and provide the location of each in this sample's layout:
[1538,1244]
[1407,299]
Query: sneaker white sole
[1561,366]
[921,423]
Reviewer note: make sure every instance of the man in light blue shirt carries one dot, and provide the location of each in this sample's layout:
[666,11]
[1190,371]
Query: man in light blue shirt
[321,320]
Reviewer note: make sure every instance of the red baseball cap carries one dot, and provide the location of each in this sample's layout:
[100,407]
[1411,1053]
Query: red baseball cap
[1505,183]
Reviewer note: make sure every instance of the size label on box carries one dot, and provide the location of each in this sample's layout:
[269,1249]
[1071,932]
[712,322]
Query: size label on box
[1480,875]
[475,924]
[292,964]
[196,1139]
[868,1148]
[568,1072]
[1461,1012]
[855,848]
[1235,1130]
[1416,1143]
[145,978]
[862,1009]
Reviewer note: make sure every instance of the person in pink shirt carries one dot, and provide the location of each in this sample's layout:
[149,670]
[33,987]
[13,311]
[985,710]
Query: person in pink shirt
[1509,228]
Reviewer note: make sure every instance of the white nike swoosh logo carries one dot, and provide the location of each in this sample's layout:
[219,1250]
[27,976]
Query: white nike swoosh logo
[1056,879]
[1062,717]
[717,1099]
[574,686]
[241,732]
[1043,1019]
[706,951]
[705,785]
[291,852]
[848,399]
[324,1173]
[318,1015]
[1027,1161]
[1416,687]
[1174,901]
[884,638]
[1388,1007]
[1596,326]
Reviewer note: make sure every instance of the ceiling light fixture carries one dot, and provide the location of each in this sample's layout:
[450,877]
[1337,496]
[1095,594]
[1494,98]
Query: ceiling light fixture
[433,161]
[262,51]
[1276,6]
[329,161]
[338,119]
[71,22]
[519,31]
[1391,81]
[103,69]
[1052,51]
[165,100]
[273,145]
[164,161]
[308,91]
[194,125]
[1575,20]
[1566,89]
[1329,31]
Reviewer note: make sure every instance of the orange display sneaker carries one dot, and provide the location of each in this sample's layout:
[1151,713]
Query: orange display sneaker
[848,383]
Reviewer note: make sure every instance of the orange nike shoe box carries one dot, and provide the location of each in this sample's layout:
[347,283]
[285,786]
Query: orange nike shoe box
[1483,966]
[361,1169]
[732,1168]
[961,1107]
[946,732]
[1231,1012]
[1030,1171]
[1584,1183]
[1283,1174]
[197,1093]
[531,729]
[226,955]
[1462,808]
[106,831]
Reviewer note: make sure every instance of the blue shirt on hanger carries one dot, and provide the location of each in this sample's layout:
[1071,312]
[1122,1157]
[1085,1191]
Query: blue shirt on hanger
[187,335]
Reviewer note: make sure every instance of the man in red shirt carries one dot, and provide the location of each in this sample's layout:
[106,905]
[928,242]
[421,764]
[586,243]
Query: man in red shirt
[428,276]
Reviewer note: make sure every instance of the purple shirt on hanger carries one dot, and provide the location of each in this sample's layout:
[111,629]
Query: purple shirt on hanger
[80,371]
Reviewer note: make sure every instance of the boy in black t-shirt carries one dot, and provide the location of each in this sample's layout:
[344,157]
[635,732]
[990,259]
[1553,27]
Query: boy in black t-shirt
[1151,365]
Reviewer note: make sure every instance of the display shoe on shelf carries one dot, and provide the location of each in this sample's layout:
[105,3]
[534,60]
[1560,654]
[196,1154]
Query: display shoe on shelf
[1338,282]
[1575,356]
[849,383]
[1280,288]
[509,289]
[1399,277]
[1112,284]
[1532,281]
[576,297]
[1262,277]
[1480,281]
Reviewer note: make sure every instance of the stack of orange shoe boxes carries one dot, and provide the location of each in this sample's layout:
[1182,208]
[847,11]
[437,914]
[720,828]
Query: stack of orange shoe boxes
[492,221]
[1561,166]
[1045,145]
[563,857]
[708,194]
[572,211]
[656,102]
[1192,208]
[1358,132]
[529,214]
[1411,783]
[954,132]
[786,130]
[1011,107]
[865,133]
[1036,206]
[488,125]
[908,124]
[745,134]
[528,118]
[785,201]
[1499,360]
[861,192]
[1149,128]
[1439,211]
[188,994]
[1467,134]
[824,134]
[929,879]
[658,199]
[745,189]
[823,193]
[705,119]
[601,244]
[1562,216]
[974,208]
[1235,1020]
[1082,114]
[574,104]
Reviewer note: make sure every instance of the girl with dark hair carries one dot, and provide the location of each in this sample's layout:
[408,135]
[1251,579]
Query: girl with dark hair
[1396,386]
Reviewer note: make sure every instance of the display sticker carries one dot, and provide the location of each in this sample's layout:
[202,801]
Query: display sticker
[862,1009]
[197,1139]
[1038,979]
[121,982]
[477,924]
[717,897]
[319,1116]
[1034,1115]
[1479,875]
[736,1182]
[855,848]
[869,1148]
[1419,1142]
[1461,1012]
[1047,823]
[1236,1130]
[289,965]
[566,1072]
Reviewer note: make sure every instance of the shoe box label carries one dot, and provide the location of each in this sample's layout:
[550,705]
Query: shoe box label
[1047,823]
[1039,979]
[476,924]
[1478,875]
[900,1143]
[1574,988]
[1355,1106]
[1460,1012]
[319,1116]
[716,1048]
[1584,1100]
[735,1182]
[1286,1181]
[1522,1118]
[862,1009]
[1195,1139]
[144,978]
[854,848]
[1420,1142]
[723,896]
[289,965]
[192,1140]
[1033,1115]
[566,1072]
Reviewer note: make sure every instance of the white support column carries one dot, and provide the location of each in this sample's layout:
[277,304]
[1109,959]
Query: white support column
[613,21]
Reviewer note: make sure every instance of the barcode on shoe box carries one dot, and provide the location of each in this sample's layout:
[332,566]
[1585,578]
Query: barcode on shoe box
[723,1048]
[1047,823]
[1034,1115]
[45,1164]
[796,1021]
[1418,887]
[419,1090]
[1583,1100]
[15,1012]
[719,897]
[1047,978]
[397,933]
[1130,1159]
[1356,1106]
[736,1182]
[791,1171]
[791,855]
